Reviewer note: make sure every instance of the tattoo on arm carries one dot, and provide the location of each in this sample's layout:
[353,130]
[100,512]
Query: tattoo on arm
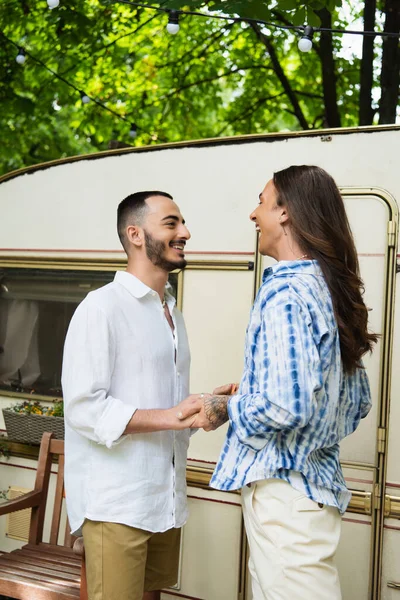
[216,410]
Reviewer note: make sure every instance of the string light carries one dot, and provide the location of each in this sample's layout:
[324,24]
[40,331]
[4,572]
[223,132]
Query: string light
[85,98]
[133,131]
[21,57]
[305,42]
[22,53]
[298,28]
[173,22]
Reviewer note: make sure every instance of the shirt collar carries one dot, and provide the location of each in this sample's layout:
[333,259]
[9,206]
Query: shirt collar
[286,267]
[136,287]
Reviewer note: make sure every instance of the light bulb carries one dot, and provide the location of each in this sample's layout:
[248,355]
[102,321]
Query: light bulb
[21,58]
[305,42]
[173,22]
[53,3]
[133,131]
[85,98]
[173,28]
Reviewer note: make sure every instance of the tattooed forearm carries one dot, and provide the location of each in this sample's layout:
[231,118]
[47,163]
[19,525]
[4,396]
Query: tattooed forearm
[216,410]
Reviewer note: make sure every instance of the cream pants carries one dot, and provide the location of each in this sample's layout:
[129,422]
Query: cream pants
[292,542]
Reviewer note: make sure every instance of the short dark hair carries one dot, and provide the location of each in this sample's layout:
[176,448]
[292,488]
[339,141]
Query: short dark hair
[132,210]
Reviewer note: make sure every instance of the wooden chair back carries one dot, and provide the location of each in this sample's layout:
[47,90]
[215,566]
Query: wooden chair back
[50,449]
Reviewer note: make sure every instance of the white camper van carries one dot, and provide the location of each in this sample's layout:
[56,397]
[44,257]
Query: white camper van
[58,241]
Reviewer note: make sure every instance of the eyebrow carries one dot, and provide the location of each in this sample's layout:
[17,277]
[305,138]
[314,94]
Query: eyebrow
[173,217]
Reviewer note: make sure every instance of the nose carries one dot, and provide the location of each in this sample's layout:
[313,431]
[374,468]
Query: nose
[253,216]
[184,232]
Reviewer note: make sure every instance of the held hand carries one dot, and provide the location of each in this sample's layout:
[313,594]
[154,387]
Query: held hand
[190,406]
[226,390]
[201,421]
[178,424]
[214,412]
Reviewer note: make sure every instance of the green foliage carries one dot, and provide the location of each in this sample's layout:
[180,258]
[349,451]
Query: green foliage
[258,9]
[213,78]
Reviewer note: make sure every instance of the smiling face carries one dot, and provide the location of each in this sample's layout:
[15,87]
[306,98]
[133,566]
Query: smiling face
[270,220]
[165,234]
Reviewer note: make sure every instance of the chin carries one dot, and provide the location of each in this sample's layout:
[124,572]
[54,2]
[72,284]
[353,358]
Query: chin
[181,264]
[173,265]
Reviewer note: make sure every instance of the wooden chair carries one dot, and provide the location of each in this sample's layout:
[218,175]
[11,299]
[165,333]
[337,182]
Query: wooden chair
[41,570]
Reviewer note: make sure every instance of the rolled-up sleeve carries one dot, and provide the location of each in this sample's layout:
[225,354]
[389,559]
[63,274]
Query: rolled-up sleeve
[287,370]
[89,355]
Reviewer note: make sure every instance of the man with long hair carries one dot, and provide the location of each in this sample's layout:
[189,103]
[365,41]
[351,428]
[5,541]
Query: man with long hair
[304,389]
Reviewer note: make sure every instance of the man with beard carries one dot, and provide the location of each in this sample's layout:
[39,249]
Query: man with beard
[125,375]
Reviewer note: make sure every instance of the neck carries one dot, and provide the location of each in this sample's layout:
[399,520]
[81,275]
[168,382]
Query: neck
[288,249]
[152,276]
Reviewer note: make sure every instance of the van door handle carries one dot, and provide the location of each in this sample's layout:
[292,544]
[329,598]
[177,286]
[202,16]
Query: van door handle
[394,585]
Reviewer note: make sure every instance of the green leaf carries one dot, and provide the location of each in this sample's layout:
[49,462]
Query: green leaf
[24,105]
[299,17]
[286,5]
[312,18]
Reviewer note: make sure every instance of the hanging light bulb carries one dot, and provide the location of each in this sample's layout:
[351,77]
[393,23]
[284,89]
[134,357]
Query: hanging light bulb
[133,131]
[53,3]
[21,57]
[305,42]
[173,22]
[85,98]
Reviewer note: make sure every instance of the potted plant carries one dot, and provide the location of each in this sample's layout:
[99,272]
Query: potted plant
[28,420]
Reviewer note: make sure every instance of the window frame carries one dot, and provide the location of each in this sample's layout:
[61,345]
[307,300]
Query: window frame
[69,264]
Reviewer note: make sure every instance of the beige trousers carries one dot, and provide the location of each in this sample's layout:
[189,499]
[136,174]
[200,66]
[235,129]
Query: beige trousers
[123,562]
[292,542]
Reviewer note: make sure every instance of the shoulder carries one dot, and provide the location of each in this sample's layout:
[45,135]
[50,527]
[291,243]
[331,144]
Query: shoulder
[283,291]
[298,296]
[100,301]
[302,285]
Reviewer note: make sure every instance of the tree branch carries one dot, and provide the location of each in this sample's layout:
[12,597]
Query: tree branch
[186,54]
[208,80]
[325,52]
[390,74]
[249,110]
[366,112]
[281,75]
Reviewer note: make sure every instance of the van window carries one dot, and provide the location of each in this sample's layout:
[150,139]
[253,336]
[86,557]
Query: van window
[36,306]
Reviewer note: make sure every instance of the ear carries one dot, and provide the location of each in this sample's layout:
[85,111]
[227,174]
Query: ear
[283,215]
[135,235]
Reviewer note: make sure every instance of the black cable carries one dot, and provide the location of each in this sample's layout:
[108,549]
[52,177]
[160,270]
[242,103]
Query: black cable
[71,85]
[255,21]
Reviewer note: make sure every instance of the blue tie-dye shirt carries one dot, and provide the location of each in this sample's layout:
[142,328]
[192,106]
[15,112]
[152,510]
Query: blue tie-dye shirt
[295,403]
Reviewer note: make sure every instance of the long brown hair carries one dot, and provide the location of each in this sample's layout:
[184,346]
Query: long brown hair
[320,226]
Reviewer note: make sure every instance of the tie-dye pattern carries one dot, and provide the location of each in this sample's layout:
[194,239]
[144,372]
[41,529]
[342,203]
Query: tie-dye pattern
[295,403]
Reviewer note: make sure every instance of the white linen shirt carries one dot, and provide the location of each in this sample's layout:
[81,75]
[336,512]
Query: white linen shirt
[119,356]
